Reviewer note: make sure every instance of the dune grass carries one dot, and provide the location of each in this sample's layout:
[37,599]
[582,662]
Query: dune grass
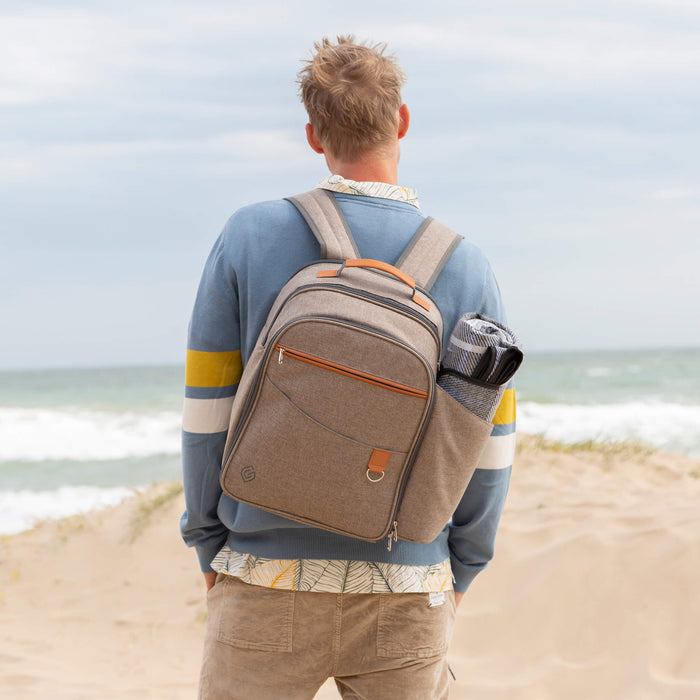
[148,504]
[609,449]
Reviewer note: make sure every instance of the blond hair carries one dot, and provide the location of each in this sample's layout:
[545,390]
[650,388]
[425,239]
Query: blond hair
[352,94]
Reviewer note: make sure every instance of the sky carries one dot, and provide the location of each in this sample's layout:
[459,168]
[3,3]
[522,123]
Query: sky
[562,138]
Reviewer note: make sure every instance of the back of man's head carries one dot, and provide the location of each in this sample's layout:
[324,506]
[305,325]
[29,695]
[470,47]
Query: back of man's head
[352,94]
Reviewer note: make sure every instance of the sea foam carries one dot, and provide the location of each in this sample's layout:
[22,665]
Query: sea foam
[21,510]
[37,434]
[668,426]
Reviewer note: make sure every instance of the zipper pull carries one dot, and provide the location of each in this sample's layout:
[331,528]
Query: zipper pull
[393,536]
[279,358]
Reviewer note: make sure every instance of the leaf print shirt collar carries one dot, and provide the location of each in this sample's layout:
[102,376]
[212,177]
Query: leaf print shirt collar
[337,183]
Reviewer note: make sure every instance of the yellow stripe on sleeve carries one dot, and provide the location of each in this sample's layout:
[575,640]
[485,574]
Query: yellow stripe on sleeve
[505,413]
[213,369]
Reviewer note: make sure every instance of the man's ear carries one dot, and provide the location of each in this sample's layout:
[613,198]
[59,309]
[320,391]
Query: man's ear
[313,141]
[404,120]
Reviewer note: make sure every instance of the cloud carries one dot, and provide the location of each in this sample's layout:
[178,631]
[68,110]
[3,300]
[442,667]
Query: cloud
[665,5]
[17,170]
[256,150]
[676,194]
[223,18]
[53,54]
[571,50]
[242,144]
[40,56]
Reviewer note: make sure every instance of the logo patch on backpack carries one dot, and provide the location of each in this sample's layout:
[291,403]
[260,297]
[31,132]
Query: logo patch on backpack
[248,473]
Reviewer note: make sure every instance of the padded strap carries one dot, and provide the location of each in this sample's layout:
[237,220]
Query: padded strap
[428,252]
[322,213]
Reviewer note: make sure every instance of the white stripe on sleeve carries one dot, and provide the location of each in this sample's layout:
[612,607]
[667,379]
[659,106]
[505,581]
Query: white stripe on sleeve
[206,415]
[498,453]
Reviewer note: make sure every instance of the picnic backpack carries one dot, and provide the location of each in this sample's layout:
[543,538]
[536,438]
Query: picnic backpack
[338,421]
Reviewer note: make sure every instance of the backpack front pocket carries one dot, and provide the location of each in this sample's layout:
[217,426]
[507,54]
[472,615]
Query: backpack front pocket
[337,410]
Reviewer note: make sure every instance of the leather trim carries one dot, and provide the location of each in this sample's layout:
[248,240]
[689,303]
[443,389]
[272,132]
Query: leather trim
[378,460]
[350,372]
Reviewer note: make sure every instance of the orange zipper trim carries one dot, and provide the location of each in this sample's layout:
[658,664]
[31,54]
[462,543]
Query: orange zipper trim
[348,372]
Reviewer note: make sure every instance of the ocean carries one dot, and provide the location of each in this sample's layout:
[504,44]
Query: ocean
[79,439]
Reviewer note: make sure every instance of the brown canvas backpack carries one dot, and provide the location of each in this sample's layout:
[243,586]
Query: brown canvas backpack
[338,421]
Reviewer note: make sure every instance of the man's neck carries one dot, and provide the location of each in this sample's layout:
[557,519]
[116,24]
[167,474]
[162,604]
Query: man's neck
[371,169]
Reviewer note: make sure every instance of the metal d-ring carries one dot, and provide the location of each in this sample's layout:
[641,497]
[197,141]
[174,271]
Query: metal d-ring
[375,481]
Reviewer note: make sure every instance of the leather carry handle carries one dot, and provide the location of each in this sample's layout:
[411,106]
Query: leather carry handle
[383,267]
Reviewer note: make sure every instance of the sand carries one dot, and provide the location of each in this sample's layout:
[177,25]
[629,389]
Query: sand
[593,592]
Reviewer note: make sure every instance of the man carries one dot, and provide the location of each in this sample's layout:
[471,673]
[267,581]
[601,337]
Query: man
[291,605]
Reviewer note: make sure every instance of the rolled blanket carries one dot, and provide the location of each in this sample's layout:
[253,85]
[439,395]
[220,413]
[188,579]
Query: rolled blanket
[481,357]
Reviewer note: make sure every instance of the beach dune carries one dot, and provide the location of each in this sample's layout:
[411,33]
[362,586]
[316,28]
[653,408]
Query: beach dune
[592,594]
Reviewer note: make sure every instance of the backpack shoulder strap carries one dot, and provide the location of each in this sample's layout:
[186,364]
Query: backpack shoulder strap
[324,216]
[428,252]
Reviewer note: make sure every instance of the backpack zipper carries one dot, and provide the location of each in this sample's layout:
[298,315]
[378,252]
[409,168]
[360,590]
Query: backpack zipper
[348,371]
[374,272]
[393,535]
[375,298]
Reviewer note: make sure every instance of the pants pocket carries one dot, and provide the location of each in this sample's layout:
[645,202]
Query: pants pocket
[408,627]
[255,617]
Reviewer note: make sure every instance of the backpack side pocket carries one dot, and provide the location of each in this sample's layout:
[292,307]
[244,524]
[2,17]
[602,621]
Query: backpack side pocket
[447,457]
[481,398]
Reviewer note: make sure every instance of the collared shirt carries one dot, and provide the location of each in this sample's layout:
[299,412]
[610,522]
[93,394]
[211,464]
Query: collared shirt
[332,575]
[337,183]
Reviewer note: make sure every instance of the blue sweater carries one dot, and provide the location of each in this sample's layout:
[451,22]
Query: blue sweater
[260,248]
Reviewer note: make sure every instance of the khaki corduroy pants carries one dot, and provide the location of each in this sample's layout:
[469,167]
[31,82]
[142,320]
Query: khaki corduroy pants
[268,644]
